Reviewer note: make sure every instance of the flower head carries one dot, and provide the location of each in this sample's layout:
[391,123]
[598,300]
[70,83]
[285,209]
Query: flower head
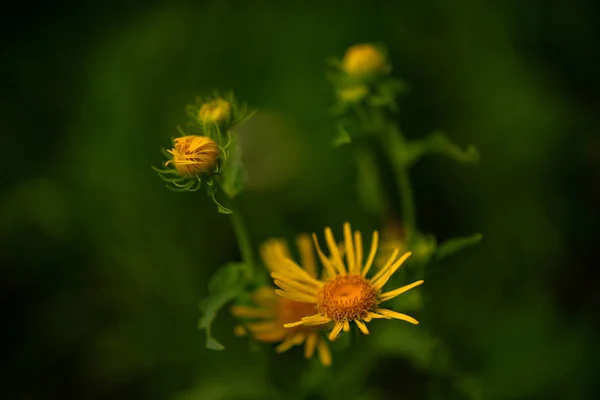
[272,312]
[215,115]
[194,155]
[215,111]
[345,294]
[363,60]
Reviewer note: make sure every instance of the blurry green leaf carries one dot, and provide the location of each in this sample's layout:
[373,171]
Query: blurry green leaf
[342,136]
[438,143]
[233,179]
[223,210]
[453,245]
[226,284]
[412,342]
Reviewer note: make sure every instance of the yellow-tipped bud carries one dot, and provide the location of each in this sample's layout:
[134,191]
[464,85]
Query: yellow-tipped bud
[194,155]
[353,94]
[363,60]
[215,111]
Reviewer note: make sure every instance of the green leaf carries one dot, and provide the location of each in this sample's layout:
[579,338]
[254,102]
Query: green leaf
[453,245]
[438,143]
[342,136]
[223,210]
[233,179]
[225,285]
[220,207]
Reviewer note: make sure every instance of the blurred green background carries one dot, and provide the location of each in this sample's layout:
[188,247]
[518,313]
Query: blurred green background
[103,268]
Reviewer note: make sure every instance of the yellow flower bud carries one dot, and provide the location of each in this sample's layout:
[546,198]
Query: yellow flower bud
[363,60]
[194,155]
[215,111]
[353,94]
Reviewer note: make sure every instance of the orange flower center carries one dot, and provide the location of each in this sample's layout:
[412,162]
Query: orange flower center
[346,297]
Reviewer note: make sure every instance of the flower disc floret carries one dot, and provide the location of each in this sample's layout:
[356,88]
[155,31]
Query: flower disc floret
[346,298]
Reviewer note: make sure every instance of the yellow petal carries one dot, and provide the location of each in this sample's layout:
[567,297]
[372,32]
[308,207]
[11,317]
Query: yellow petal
[287,344]
[374,243]
[349,244]
[250,312]
[396,315]
[295,287]
[316,319]
[362,326]
[333,250]
[393,293]
[336,330]
[385,268]
[307,254]
[324,353]
[262,327]
[324,260]
[309,345]
[359,251]
[382,280]
[296,296]
[293,324]
[346,327]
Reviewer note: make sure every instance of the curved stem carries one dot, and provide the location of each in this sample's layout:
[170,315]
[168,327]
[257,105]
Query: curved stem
[243,240]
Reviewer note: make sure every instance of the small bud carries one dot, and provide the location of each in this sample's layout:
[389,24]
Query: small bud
[194,155]
[215,111]
[364,60]
[353,94]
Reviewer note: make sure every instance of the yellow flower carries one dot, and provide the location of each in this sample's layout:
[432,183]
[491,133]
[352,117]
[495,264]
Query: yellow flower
[364,60]
[273,312]
[353,94]
[194,155]
[215,111]
[345,295]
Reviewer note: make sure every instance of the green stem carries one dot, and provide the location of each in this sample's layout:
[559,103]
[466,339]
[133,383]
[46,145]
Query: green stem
[396,147]
[243,240]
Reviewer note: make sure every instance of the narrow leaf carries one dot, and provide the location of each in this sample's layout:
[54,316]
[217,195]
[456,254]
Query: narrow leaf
[453,245]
